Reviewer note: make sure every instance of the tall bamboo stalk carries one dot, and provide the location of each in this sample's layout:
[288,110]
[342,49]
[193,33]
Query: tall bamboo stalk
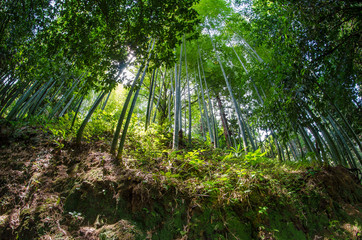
[89,115]
[129,116]
[177,117]
[128,99]
[188,93]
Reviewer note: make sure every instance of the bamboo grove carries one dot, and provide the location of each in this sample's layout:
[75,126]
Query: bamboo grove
[278,76]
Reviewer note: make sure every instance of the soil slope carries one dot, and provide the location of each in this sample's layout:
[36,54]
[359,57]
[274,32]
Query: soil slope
[58,190]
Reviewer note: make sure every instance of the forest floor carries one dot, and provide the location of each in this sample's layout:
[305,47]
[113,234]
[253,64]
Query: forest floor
[54,189]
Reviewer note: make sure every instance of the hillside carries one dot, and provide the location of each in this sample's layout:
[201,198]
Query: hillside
[180,119]
[52,188]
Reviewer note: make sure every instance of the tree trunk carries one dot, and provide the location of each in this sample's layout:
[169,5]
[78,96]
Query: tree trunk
[106,101]
[51,99]
[201,117]
[224,121]
[76,112]
[66,95]
[204,105]
[177,118]
[89,115]
[188,93]
[125,129]
[125,105]
[15,110]
[159,95]
[150,94]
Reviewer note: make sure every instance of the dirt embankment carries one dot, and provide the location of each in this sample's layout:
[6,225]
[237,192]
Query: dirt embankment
[57,190]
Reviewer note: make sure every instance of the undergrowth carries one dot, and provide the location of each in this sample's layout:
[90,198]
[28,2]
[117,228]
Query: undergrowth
[266,191]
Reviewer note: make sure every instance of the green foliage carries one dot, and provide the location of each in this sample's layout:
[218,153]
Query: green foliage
[236,152]
[263,210]
[255,158]
[75,215]
[212,9]
[146,145]
[304,43]
[288,71]
[101,125]
[227,179]
[289,67]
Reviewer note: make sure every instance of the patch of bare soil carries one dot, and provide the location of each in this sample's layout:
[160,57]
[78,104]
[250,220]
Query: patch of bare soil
[36,175]
[59,190]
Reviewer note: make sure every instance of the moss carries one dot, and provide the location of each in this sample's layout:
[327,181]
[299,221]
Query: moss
[283,227]
[166,216]
[212,222]
[91,199]
[122,230]
[237,227]
[173,223]
[202,223]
